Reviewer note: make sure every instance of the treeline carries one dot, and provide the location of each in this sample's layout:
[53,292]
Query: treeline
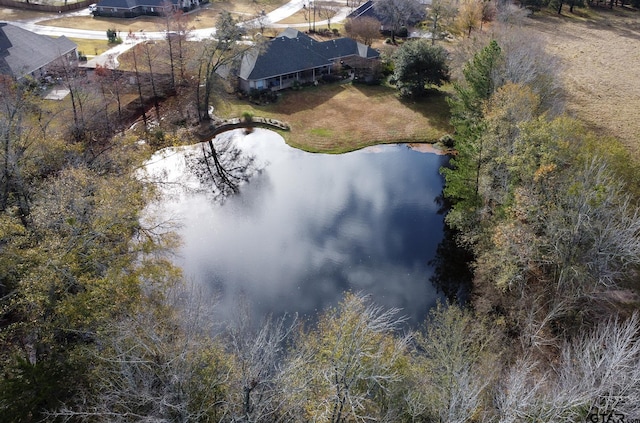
[169,363]
[550,212]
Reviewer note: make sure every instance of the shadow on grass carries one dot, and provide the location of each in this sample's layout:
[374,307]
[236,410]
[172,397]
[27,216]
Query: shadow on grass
[307,98]
[622,21]
[434,107]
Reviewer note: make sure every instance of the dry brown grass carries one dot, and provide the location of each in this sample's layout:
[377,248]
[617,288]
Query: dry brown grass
[342,117]
[204,18]
[600,51]
[10,14]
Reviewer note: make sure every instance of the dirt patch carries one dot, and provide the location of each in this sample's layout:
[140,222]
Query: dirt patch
[600,51]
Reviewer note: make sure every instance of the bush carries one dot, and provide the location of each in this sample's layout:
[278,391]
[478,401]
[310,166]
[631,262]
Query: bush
[247,116]
[112,35]
[403,32]
[447,141]
[262,96]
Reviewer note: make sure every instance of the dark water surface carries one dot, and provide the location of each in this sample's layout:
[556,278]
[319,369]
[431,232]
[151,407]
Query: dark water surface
[309,227]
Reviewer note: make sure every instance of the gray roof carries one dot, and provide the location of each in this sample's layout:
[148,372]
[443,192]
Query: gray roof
[132,4]
[283,55]
[293,51]
[23,52]
[365,10]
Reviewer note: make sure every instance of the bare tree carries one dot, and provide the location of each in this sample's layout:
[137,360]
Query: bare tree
[177,31]
[526,61]
[327,11]
[72,78]
[469,16]
[151,59]
[258,22]
[594,231]
[139,86]
[596,373]
[440,12]
[488,12]
[111,82]
[219,52]
[14,188]
[354,363]
[454,366]
[365,29]
[161,364]
[255,395]
[398,13]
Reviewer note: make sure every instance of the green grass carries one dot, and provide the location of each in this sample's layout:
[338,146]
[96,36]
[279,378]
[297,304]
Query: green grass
[321,132]
[91,47]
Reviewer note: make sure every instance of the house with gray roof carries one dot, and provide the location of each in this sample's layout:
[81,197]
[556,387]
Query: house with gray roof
[24,53]
[293,57]
[134,8]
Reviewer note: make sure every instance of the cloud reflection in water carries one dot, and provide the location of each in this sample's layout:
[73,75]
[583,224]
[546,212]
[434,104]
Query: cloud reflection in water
[311,226]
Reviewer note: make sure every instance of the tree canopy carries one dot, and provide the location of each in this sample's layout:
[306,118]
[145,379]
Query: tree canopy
[417,65]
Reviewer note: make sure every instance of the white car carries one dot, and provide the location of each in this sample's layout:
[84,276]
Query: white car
[93,7]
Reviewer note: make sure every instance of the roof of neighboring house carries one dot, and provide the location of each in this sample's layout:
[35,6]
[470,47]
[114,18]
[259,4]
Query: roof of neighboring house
[132,4]
[365,9]
[22,51]
[293,51]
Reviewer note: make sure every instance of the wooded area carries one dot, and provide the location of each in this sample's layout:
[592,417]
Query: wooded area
[98,325]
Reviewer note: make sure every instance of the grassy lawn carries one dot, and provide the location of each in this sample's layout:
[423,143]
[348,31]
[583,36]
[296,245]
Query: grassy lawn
[91,47]
[339,118]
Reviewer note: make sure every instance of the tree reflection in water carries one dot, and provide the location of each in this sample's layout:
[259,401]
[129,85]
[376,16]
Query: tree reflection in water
[221,167]
[452,273]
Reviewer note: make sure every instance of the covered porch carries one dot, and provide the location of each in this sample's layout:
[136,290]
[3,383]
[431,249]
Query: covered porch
[281,82]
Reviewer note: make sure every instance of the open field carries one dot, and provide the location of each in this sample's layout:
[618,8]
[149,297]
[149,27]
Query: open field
[600,51]
[342,117]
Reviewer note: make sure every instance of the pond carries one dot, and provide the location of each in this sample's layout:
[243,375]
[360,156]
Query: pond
[305,228]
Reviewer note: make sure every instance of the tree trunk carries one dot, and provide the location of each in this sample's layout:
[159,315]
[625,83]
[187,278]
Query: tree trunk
[135,67]
[154,92]
[434,28]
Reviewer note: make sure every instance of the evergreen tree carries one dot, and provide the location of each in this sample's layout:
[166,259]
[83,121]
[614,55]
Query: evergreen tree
[463,177]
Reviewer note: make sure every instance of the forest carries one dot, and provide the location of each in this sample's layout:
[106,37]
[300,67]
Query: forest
[98,325]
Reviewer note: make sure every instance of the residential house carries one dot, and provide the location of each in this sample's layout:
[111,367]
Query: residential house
[24,53]
[293,57]
[134,8]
